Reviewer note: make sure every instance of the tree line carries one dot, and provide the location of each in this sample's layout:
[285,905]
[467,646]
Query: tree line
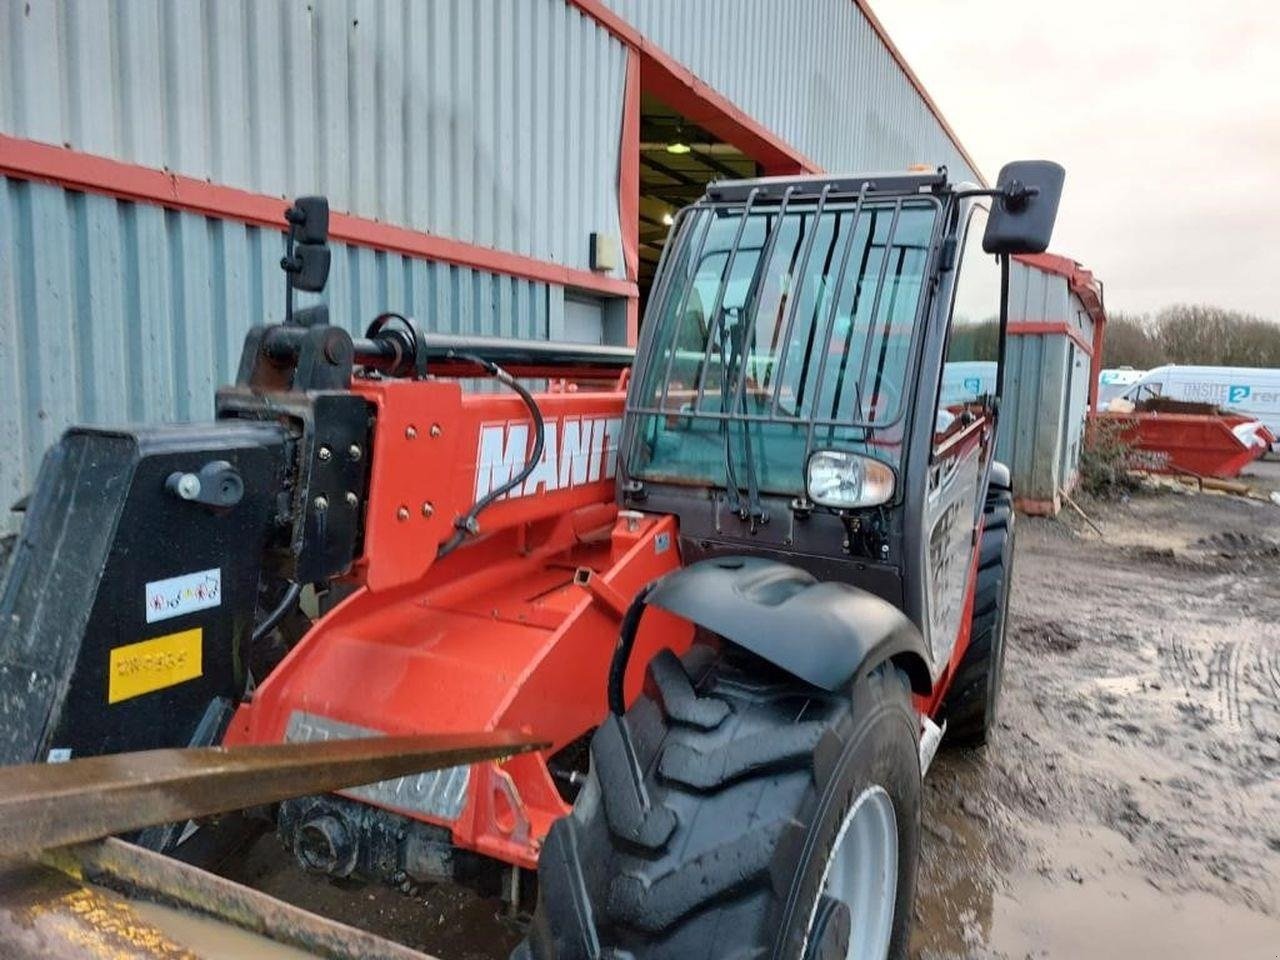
[1190,334]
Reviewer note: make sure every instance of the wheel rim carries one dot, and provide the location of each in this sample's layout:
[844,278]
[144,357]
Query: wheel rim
[862,873]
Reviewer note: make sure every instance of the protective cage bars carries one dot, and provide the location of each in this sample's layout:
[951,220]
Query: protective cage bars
[731,400]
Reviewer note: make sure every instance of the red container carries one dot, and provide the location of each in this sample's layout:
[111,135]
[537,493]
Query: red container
[1207,445]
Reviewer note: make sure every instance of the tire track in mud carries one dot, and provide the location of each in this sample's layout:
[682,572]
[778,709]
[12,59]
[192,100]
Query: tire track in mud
[1235,679]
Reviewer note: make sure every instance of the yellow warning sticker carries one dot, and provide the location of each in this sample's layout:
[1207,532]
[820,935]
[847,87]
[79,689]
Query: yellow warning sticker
[140,668]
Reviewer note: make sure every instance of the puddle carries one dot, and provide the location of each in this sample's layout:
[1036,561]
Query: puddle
[213,940]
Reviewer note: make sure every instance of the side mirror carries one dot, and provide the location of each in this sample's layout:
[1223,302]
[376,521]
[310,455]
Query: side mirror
[309,217]
[306,261]
[1025,207]
[308,268]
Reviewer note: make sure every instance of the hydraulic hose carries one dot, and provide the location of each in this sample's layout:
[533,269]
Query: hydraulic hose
[287,603]
[467,525]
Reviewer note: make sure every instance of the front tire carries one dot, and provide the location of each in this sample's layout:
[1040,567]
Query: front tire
[973,698]
[735,812]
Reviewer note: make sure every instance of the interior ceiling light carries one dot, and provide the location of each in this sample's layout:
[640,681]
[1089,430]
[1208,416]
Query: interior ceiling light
[679,142]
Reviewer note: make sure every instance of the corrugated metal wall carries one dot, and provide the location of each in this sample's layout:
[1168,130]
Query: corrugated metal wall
[496,122]
[114,312]
[814,72]
[1046,386]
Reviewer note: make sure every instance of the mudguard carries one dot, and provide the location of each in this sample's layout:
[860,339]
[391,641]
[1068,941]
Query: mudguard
[823,632]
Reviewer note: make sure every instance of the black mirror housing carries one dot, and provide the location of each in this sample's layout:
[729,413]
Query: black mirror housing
[310,219]
[1025,207]
[309,269]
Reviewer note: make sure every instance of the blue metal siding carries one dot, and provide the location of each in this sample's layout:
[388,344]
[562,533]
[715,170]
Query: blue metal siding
[815,72]
[495,122]
[1046,386]
[113,311]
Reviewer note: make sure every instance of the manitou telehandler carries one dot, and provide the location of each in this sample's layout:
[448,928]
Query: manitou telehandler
[741,581]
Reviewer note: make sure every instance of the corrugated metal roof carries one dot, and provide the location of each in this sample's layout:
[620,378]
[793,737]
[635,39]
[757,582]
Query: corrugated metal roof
[116,312]
[487,121]
[816,73]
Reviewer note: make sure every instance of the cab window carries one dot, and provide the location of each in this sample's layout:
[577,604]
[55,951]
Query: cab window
[972,358]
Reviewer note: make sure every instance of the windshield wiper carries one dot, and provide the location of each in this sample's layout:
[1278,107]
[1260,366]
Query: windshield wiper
[727,363]
[754,512]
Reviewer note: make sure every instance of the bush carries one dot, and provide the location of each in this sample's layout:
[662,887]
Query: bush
[1106,459]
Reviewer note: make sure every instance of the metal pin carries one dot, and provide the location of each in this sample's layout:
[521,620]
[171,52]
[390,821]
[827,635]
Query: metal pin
[427,508]
[352,499]
[325,453]
[435,430]
[402,513]
[354,451]
[410,432]
[321,502]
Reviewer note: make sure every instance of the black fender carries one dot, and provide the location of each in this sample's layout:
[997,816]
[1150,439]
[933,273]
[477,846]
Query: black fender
[824,632]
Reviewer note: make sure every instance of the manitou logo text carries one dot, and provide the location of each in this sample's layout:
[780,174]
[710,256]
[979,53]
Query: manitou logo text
[576,450]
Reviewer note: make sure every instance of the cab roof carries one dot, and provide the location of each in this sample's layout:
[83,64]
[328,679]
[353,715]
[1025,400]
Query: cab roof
[812,185]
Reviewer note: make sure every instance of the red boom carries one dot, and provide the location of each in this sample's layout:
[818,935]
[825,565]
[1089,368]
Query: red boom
[494,634]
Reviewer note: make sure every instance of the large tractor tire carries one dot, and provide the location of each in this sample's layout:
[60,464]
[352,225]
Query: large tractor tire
[973,700]
[735,812]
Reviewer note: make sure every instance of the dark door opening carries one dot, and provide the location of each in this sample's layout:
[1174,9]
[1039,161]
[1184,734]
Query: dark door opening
[677,160]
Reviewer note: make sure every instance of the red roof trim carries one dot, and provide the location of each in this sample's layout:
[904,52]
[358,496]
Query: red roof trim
[73,170]
[758,137]
[681,89]
[1080,281]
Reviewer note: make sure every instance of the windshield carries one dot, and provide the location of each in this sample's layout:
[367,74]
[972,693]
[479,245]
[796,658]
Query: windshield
[797,336]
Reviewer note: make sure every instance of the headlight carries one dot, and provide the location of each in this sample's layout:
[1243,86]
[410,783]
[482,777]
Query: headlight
[847,480]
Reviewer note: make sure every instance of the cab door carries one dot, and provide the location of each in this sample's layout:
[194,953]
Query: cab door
[963,438]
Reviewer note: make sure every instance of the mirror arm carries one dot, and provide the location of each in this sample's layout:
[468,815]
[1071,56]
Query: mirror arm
[1015,195]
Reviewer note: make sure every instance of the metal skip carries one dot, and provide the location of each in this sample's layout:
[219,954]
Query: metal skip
[49,910]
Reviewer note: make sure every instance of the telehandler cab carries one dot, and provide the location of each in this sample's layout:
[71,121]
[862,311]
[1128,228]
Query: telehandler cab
[742,586]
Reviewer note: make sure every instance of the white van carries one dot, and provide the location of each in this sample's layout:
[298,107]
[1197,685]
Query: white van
[1253,391]
[1113,382]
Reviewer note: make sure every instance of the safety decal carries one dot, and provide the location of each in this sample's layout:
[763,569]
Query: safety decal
[139,668]
[185,594]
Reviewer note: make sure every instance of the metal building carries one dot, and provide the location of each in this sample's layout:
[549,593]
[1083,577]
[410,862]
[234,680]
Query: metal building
[1056,326]
[497,166]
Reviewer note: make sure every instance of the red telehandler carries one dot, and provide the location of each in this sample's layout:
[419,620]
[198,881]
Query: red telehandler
[741,580]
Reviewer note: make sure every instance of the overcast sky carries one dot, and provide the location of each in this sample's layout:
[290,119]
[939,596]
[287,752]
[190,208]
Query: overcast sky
[1166,116]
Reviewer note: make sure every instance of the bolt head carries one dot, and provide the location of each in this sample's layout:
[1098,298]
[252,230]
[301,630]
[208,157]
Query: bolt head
[321,502]
[324,453]
[410,432]
[435,430]
[402,513]
[427,508]
[354,451]
[352,499]
[188,486]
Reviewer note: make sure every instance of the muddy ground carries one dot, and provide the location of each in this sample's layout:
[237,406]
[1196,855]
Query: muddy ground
[1129,804]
